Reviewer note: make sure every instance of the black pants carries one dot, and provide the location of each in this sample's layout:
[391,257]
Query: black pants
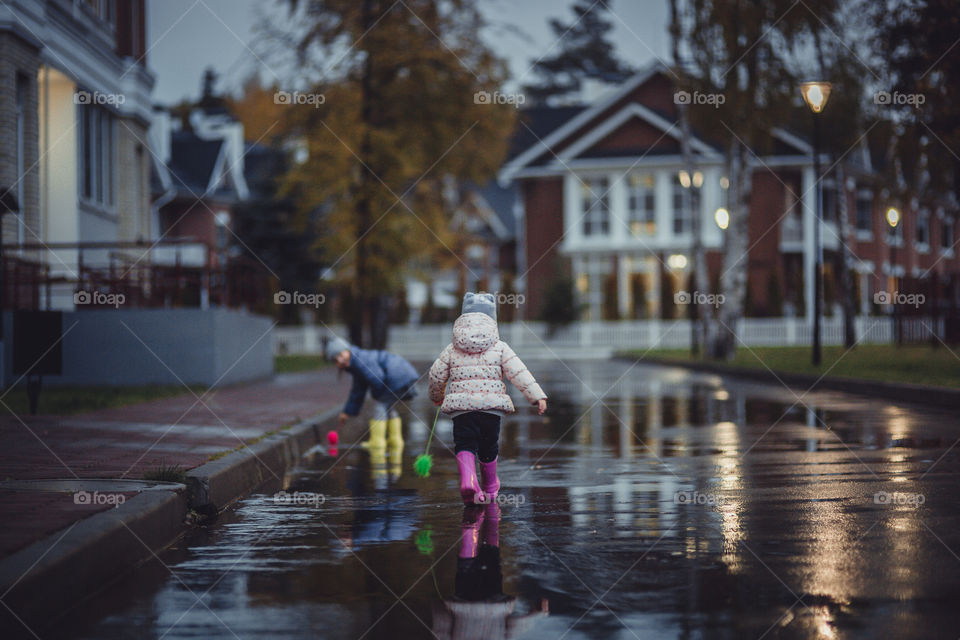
[478,433]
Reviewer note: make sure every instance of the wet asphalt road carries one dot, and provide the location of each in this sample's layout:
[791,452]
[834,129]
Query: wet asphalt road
[649,503]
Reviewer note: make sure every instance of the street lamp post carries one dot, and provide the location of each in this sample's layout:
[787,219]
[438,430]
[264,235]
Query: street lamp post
[893,219]
[815,94]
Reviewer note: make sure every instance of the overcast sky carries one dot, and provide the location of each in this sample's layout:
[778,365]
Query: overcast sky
[186,36]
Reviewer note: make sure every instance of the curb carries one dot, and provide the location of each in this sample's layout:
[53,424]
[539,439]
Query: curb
[56,573]
[898,392]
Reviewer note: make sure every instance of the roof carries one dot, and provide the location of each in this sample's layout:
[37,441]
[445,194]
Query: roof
[501,201]
[193,161]
[536,123]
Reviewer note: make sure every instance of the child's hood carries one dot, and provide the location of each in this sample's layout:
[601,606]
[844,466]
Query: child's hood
[475,332]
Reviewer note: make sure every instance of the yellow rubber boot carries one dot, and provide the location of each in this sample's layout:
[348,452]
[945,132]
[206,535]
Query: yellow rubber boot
[377,440]
[395,435]
[396,464]
[378,468]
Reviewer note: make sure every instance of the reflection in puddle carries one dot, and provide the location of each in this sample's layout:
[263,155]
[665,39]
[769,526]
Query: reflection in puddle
[648,503]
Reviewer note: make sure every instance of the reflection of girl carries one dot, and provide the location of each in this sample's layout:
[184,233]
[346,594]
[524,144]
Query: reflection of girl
[479,609]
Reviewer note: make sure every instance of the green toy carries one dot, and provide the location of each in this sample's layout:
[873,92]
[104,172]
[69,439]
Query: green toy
[424,462]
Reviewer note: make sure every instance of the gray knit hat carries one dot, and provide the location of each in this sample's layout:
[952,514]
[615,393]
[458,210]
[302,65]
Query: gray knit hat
[482,302]
[334,346]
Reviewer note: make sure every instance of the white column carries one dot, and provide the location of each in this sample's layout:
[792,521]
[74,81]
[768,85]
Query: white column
[664,204]
[572,209]
[624,264]
[618,208]
[809,204]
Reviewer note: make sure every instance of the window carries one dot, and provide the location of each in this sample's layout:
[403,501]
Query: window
[641,204]
[103,9]
[596,211]
[922,229]
[829,211]
[97,155]
[864,213]
[681,215]
[946,233]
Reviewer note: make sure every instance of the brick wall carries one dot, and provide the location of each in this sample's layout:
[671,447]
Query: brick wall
[544,228]
[133,181]
[19,59]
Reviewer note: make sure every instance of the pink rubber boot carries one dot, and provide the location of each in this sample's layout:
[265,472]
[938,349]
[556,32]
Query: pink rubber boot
[489,482]
[473,519]
[469,487]
[490,527]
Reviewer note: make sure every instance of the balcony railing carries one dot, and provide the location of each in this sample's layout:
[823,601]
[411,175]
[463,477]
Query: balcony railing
[175,273]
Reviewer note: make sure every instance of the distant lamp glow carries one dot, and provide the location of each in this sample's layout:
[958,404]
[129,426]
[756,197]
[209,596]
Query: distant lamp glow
[893,217]
[722,216]
[815,94]
[724,182]
[697,179]
[677,261]
[684,179]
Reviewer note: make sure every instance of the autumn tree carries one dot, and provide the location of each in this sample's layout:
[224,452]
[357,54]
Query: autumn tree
[387,110]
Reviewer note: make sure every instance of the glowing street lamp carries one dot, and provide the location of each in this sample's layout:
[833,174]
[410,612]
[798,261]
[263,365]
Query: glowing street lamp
[722,217]
[893,219]
[815,94]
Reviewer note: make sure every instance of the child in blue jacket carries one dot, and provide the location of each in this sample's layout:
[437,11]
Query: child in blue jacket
[389,379]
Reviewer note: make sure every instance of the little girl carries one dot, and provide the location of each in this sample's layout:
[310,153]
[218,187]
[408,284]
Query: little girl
[476,398]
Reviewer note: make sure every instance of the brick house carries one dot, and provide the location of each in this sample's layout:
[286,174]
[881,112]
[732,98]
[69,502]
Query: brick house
[74,115]
[600,192]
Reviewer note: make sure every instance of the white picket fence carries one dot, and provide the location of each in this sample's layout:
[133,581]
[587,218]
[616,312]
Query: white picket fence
[590,339]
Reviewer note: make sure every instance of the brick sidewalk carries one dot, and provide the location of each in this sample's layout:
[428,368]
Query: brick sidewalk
[126,442]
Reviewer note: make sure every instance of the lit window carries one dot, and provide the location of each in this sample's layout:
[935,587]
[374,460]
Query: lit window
[681,215]
[641,204]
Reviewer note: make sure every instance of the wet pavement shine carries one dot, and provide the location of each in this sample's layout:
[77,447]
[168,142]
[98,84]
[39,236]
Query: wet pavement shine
[649,503]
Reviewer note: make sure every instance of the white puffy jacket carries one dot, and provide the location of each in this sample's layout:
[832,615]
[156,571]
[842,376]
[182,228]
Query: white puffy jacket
[468,375]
